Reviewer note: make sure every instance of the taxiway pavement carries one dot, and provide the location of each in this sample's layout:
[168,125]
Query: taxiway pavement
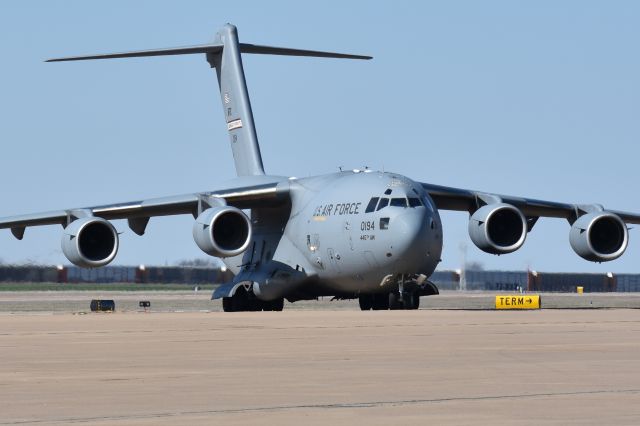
[322,367]
[184,301]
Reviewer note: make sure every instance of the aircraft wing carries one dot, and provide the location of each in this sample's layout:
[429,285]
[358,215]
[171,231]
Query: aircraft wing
[448,198]
[139,212]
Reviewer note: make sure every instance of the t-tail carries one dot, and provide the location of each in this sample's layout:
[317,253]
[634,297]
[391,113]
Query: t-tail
[225,56]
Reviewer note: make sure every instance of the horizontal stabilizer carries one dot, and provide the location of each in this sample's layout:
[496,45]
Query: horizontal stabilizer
[186,50]
[270,50]
[213,48]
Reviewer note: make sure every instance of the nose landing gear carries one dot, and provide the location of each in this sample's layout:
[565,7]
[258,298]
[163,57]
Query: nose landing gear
[406,296]
[383,301]
[407,300]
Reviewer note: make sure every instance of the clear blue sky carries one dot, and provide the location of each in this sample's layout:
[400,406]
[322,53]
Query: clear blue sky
[539,99]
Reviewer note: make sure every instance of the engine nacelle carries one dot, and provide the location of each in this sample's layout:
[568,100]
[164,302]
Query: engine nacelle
[498,228]
[599,237]
[222,231]
[90,242]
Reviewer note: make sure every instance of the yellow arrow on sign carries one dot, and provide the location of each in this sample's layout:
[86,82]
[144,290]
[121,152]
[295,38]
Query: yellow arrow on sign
[517,301]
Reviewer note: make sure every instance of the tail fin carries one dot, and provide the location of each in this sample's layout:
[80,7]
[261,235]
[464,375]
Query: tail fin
[224,56]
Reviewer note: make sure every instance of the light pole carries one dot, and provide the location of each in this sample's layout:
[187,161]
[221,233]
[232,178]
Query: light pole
[463,268]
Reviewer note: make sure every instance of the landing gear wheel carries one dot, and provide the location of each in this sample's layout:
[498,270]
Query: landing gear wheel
[239,302]
[416,300]
[278,305]
[380,302]
[411,300]
[394,301]
[366,302]
[227,304]
[274,305]
[254,305]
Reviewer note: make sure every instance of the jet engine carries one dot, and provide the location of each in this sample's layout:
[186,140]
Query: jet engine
[90,242]
[222,231]
[599,237]
[498,228]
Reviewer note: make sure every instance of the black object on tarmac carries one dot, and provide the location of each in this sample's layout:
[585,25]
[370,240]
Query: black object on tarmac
[102,305]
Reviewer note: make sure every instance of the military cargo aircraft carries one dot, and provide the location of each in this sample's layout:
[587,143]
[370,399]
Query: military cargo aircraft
[375,236]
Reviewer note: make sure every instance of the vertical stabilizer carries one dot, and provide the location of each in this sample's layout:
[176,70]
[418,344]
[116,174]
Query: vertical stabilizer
[235,102]
[225,56]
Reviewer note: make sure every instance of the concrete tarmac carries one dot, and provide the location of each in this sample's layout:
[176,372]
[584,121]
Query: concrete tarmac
[322,367]
[172,301]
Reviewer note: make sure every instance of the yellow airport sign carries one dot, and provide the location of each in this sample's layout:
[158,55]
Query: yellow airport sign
[517,301]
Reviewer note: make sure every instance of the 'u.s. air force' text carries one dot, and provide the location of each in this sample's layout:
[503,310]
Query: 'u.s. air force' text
[339,209]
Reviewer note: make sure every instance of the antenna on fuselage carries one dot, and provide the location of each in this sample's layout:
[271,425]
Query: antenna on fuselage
[224,56]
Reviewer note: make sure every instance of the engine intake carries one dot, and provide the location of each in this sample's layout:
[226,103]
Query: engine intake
[222,231]
[599,237]
[498,228]
[90,242]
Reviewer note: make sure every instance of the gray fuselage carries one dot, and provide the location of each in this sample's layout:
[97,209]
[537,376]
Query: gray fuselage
[351,231]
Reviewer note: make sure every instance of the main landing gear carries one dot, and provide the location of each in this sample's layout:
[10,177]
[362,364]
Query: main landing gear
[243,301]
[393,301]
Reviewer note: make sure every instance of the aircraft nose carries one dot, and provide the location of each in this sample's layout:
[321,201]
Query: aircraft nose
[409,234]
[414,246]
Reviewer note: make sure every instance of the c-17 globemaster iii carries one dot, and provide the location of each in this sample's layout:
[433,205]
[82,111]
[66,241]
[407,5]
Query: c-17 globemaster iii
[376,236]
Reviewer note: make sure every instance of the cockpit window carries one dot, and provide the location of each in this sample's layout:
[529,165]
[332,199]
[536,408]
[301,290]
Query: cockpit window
[372,205]
[384,202]
[414,202]
[398,202]
[388,191]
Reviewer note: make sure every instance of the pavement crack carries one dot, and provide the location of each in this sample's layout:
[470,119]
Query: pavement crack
[330,406]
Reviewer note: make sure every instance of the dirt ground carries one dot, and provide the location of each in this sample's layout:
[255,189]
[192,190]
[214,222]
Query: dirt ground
[337,367]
